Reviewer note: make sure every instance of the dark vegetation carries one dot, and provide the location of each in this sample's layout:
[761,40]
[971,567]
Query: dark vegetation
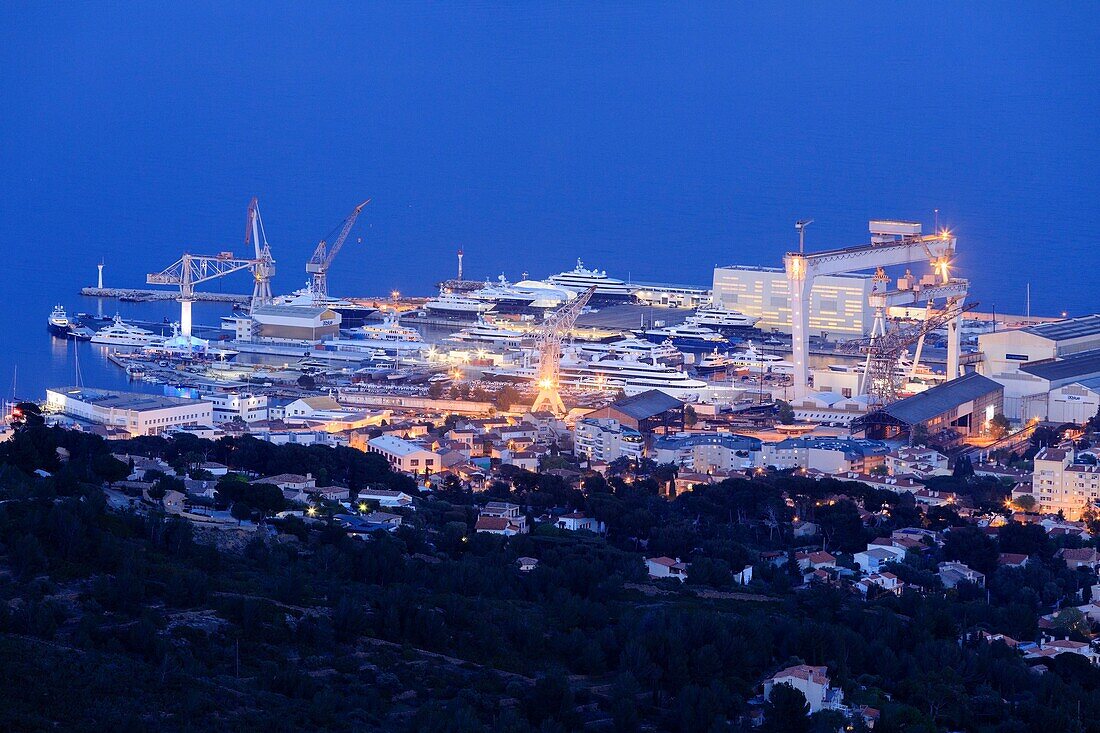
[131,621]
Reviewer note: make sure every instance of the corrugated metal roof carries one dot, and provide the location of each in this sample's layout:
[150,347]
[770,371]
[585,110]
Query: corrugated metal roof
[1069,328]
[1083,365]
[941,398]
[647,404]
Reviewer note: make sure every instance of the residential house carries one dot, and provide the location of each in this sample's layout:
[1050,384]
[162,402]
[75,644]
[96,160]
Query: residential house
[386,499]
[812,682]
[875,558]
[1084,557]
[884,581]
[953,573]
[666,567]
[577,521]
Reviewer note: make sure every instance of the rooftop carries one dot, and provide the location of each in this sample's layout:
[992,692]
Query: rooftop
[122,400]
[941,398]
[1070,328]
[732,441]
[647,404]
[1085,365]
[395,445]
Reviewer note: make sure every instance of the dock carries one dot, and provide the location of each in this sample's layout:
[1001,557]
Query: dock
[140,295]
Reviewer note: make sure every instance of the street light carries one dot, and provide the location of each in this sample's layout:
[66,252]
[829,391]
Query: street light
[801,225]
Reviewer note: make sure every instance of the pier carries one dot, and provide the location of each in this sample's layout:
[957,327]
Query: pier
[139,295]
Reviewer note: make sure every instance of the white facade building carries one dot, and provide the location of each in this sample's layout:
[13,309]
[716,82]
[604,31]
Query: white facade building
[838,303]
[242,406]
[606,439]
[1032,362]
[136,413]
[404,455]
[1060,484]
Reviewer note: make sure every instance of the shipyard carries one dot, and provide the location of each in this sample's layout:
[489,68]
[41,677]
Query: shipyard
[832,337]
[549,367]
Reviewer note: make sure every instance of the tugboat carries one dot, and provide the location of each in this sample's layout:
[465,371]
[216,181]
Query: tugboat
[58,323]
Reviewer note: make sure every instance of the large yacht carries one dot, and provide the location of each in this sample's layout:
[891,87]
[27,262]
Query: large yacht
[352,315]
[486,334]
[120,333]
[721,319]
[580,278]
[755,360]
[390,336]
[58,323]
[663,353]
[529,296]
[687,336]
[610,373]
[456,307]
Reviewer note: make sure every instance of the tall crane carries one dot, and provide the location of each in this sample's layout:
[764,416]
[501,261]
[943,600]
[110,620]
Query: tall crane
[264,269]
[191,270]
[324,254]
[885,349]
[553,331]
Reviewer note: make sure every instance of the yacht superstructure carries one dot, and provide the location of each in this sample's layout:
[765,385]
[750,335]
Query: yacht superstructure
[580,278]
[120,333]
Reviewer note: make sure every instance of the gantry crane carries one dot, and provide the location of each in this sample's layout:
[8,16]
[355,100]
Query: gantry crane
[885,349]
[324,254]
[554,330]
[264,269]
[191,270]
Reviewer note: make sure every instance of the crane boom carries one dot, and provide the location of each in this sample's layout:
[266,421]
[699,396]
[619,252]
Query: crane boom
[554,330]
[324,254]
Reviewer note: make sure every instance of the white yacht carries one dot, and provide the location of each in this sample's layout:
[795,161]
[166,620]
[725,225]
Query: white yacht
[58,322]
[610,373]
[352,315]
[758,361]
[120,333]
[389,336]
[528,296]
[458,307]
[581,278]
[664,352]
[687,335]
[483,333]
[721,319]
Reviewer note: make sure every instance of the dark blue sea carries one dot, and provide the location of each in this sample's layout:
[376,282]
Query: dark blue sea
[653,140]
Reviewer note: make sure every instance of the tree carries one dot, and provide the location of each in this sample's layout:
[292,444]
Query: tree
[998,426]
[27,415]
[1025,502]
[109,469]
[784,412]
[918,435]
[691,417]
[307,381]
[786,711]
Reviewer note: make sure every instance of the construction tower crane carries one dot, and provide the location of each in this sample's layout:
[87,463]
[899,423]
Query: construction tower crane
[324,254]
[553,332]
[264,269]
[885,349]
[191,270]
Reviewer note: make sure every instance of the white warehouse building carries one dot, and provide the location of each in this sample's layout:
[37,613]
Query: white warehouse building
[136,413]
[1038,365]
[838,303]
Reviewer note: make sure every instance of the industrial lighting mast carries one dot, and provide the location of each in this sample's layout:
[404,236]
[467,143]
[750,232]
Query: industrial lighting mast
[801,225]
[554,330]
[318,264]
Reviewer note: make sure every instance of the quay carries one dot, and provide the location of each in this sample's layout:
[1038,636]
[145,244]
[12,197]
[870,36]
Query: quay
[141,295]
